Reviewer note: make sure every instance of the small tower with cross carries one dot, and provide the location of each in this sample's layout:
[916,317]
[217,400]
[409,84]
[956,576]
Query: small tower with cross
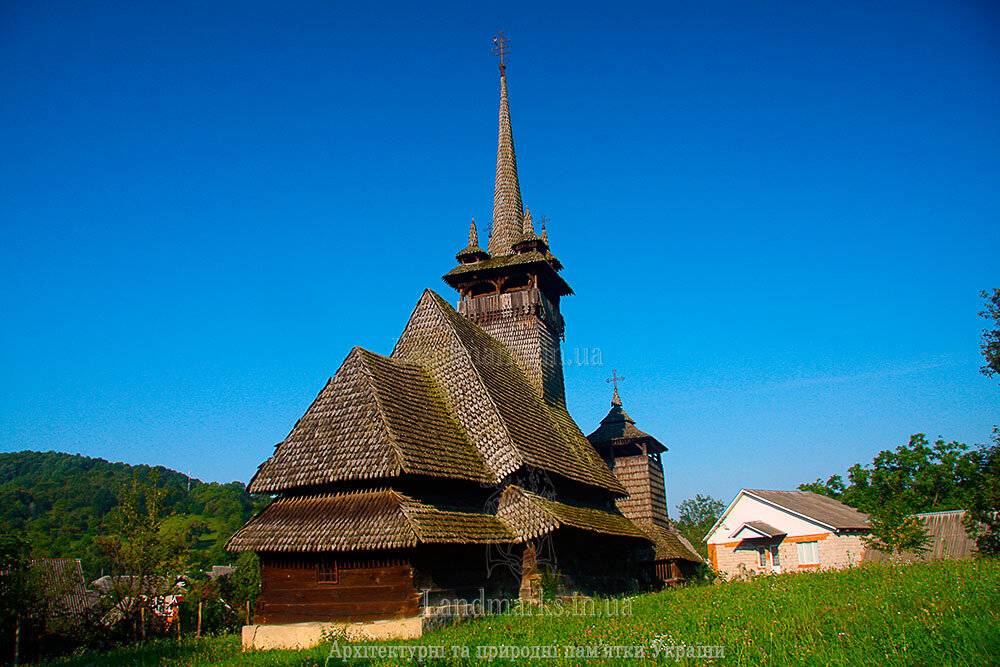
[636,459]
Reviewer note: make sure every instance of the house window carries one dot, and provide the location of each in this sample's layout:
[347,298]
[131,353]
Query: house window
[326,572]
[762,556]
[808,553]
[775,558]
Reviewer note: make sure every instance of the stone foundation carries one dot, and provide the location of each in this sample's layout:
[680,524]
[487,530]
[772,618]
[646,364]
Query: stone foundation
[307,635]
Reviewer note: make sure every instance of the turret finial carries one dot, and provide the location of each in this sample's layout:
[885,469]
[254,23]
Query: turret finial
[616,400]
[473,234]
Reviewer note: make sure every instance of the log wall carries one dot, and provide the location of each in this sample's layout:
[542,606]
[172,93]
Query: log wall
[365,589]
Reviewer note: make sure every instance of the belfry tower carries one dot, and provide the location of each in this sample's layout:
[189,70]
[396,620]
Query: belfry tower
[635,458]
[512,288]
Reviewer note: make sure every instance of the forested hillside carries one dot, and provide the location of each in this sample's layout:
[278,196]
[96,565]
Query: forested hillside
[59,501]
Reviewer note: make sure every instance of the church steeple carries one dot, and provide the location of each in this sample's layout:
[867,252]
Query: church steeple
[507,207]
[513,290]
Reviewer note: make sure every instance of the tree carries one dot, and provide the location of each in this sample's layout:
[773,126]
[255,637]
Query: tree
[915,477]
[700,510]
[990,344]
[144,562]
[833,487]
[982,521]
[20,598]
[895,532]
[246,578]
[695,518]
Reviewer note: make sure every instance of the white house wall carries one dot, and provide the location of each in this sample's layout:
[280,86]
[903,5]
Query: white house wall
[750,509]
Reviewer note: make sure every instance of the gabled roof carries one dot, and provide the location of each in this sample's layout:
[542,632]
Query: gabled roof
[376,418]
[451,402]
[490,396]
[530,515]
[363,520]
[821,509]
[63,586]
[757,529]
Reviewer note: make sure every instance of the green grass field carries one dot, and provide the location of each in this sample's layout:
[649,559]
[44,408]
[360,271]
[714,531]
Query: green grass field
[945,613]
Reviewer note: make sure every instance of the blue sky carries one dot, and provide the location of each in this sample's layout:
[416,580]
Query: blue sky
[776,216]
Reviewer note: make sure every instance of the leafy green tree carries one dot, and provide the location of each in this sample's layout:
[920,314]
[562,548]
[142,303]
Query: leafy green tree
[245,581]
[894,532]
[144,561]
[700,510]
[21,604]
[695,518]
[990,343]
[982,521]
[916,477]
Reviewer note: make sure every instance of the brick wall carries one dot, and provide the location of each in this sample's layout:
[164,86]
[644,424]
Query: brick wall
[740,559]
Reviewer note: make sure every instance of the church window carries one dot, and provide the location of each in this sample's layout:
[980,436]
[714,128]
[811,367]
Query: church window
[326,572]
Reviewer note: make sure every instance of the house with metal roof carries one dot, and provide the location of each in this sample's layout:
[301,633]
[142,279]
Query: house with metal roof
[764,531]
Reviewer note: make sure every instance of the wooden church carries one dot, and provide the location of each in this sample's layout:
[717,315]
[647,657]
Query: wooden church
[451,468]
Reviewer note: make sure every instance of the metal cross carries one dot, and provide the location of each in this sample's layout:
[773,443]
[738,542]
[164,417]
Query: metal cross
[501,47]
[615,378]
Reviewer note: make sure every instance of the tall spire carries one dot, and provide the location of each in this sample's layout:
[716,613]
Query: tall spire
[507,207]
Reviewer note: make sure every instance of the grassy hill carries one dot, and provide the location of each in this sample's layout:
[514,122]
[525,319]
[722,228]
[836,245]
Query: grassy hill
[919,614]
[58,501]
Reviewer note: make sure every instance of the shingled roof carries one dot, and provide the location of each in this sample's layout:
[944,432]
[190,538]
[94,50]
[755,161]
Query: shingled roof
[670,544]
[618,428]
[363,520]
[530,515]
[388,519]
[507,211]
[491,397]
[451,402]
[495,265]
[376,418]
